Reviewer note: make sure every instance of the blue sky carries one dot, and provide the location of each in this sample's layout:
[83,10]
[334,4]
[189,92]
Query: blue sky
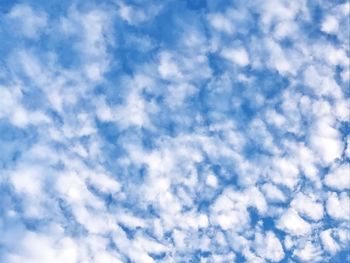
[174,131]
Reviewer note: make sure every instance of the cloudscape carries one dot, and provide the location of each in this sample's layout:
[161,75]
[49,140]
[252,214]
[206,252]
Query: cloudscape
[140,131]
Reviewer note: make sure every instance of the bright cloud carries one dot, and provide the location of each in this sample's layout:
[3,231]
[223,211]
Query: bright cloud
[174,131]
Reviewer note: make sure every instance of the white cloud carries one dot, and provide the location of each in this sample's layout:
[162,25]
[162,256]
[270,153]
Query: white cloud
[168,69]
[211,180]
[309,252]
[341,111]
[307,161]
[134,15]
[178,93]
[285,29]
[289,242]
[256,199]
[269,247]
[274,118]
[130,14]
[71,157]
[328,242]
[339,177]
[338,206]
[103,111]
[36,247]
[307,206]
[221,23]
[28,179]
[230,209]
[18,115]
[151,246]
[325,140]
[27,21]
[281,11]
[284,171]
[94,34]
[330,25]
[273,193]
[343,235]
[321,82]
[237,55]
[230,257]
[228,215]
[279,60]
[292,223]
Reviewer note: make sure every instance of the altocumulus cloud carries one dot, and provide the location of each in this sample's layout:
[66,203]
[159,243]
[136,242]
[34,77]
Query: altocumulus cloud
[174,131]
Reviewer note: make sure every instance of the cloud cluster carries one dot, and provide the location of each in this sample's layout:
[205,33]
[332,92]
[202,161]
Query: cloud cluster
[174,131]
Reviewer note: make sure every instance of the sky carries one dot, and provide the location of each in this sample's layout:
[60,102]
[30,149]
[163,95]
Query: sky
[174,131]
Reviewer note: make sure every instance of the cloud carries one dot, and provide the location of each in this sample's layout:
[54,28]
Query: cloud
[269,247]
[309,253]
[237,56]
[291,222]
[133,131]
[328,242]
[134,15]
[273,193]
[26,21]
[330,25]
[338,178]
[305,205]
[337,206]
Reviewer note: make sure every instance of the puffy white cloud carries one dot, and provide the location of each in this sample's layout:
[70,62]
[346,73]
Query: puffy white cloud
[237,56]
[284,172]
[330,25]
[134,111]
[306,159]
[36,247]
[212,180]
[220,258]
[228,215]
[307,206]
[173,151]
[230,208]
[278,60]
[269,247]
[338,206]
[325,140]
[339,177]
[309,252]
[328,242]
[292,223]
[321,82]
[273,193]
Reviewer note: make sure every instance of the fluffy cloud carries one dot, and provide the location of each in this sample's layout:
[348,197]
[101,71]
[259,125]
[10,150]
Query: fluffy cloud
[338,206]
[305,205]
[339,178]
[328,242]
[309,253]
[269,247]
[186,131]
[291,222]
